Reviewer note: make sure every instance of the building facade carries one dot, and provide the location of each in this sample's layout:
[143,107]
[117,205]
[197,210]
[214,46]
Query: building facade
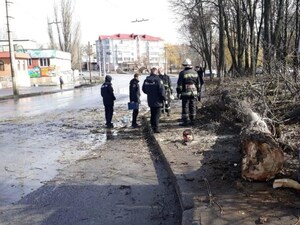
[129,52]
[21,70]
[45,66]
[35,67]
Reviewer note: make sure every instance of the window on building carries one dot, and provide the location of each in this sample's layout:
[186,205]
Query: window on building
[1,65]
[24,65]
[30,62]
[45,62]
[19,65]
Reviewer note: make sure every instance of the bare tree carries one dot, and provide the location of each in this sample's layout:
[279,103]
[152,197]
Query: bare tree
[246,29]
[67,31]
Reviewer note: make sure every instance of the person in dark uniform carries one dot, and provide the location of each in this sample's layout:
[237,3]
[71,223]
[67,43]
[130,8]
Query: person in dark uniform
[134,96]
[107,93]
[168,89]
[188,89]
[201,71]
[154,88]
[61,82]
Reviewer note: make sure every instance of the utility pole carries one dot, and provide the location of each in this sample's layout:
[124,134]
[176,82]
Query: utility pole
[138,39]
[89,53]
[104,62]
[98,45]
[12,53]
[166,60]
[79,59]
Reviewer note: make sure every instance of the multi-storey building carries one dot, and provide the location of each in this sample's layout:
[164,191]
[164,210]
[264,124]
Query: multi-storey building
[129,52]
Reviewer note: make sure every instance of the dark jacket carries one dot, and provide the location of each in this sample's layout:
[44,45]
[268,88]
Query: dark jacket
[201,73]
[134,91]
[153,87]
[188,84]
[107,92]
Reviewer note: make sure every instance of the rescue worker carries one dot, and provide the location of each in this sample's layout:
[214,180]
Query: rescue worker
[168,90]
[153,87]
[134,96]
[107,93]
[188,90]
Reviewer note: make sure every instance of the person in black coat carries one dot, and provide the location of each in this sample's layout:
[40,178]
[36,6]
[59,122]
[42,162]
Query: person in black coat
[107,93]
[134,96]
[200,70]
[61,82]
[154,88]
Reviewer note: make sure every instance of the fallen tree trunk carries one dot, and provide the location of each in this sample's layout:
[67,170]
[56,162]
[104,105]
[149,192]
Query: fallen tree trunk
[262,156]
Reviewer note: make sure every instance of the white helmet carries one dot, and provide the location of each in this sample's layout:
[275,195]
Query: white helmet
[187,62]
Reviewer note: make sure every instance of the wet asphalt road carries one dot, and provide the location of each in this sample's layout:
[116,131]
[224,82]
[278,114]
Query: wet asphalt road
[60,166]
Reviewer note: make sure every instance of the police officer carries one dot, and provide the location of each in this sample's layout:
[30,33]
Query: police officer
[107,93]
[155,91]
[188,90]
[168,89]
[134,96]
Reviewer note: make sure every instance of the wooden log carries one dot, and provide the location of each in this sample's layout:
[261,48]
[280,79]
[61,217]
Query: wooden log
[262,156]
[285,182]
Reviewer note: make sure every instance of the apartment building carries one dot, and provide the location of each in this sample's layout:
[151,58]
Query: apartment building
[129,52]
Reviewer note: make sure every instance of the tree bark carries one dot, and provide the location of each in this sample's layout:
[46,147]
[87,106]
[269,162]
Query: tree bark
[262,156]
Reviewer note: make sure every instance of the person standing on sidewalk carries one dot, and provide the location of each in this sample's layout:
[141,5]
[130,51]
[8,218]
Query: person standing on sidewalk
[61,82]
[107,93]
[134,96]
[155,91]
[168,89]
[201,71]
[188,89]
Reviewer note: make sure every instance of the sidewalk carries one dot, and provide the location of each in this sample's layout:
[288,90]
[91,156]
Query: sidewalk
[7,93]
[206,175]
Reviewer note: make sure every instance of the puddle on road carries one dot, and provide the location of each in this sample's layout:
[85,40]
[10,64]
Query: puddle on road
[35,149]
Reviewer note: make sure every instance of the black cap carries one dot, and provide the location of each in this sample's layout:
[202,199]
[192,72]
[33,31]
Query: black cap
[108,78]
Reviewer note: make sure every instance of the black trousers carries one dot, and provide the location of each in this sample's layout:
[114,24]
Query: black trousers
[109,110]
[135,113]
[189,109]
[155,115]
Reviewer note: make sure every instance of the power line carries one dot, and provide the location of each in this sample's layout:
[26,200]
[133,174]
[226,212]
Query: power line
[140,20]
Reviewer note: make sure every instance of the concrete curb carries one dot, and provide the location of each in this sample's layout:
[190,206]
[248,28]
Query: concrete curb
[33,94]
[6,97]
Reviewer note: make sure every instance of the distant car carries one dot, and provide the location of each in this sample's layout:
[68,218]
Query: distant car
[259,71]
[213,73]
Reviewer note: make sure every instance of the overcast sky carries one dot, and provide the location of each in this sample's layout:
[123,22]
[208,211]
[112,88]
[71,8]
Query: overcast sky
[97,17]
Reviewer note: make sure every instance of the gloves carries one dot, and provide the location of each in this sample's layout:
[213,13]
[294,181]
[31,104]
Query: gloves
[179,96]
[171,96]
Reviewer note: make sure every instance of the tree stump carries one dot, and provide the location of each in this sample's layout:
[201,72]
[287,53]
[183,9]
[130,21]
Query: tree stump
[262,156]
